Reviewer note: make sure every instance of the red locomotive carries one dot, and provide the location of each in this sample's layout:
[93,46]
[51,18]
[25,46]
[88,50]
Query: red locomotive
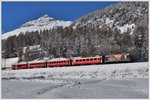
[74,61]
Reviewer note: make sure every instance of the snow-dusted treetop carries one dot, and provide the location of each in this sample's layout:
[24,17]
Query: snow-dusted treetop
[44,22]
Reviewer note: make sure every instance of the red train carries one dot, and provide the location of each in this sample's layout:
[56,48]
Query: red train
[114,58]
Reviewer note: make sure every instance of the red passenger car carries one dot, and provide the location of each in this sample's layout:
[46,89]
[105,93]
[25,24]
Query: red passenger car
[87,60]
[22,65]
[58,63]
[37,64]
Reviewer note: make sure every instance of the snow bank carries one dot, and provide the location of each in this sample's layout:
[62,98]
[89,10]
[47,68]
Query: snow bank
[106,71]
[8,62]
[126,27]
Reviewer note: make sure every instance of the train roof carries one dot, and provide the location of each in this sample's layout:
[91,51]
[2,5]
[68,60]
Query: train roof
[118,54]
[36,61]
[58,59]
[85,57]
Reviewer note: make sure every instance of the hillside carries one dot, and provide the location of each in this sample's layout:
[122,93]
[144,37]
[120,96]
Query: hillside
[125,16]
[119,28]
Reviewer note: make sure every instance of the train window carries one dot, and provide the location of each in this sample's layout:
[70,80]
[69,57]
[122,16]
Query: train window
[76,60]
[91,59]
[83,59]
[87,59]
[80,60]
[95,59]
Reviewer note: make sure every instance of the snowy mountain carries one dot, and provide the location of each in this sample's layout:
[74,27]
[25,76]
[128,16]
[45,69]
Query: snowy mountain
[44,22]
[125,16]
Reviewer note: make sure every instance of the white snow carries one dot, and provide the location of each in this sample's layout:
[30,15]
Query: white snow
[126,27]
[109,22]
[8,62]
[33,47]
[41,23]
[109,81]
[106,71]
[76,89]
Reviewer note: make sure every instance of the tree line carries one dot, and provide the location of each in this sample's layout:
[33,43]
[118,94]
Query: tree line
[78,41]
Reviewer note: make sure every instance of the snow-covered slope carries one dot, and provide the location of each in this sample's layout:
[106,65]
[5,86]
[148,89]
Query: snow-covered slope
[107,71]
[44,22]
[124,16]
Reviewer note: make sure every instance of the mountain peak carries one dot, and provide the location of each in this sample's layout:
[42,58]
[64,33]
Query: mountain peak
[41,23]
[45,17]
[43,20]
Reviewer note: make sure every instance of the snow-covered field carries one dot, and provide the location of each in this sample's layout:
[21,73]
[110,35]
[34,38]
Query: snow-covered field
[128,80]
[105,71]
[76,88]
